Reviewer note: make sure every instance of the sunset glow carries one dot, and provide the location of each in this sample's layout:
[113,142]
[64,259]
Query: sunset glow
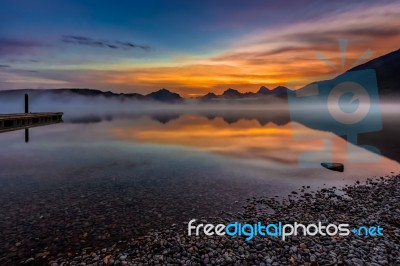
[244,49]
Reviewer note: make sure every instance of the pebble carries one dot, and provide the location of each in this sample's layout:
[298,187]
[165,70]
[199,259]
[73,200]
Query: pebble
[357,205]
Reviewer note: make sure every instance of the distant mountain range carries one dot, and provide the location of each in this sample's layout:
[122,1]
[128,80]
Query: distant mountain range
[386,68]
[162,95]
[230,94]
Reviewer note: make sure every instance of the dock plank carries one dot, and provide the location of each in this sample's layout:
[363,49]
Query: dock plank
[9,122]
[29,115]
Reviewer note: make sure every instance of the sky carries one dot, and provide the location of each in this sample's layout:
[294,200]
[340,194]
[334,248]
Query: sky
[189,47]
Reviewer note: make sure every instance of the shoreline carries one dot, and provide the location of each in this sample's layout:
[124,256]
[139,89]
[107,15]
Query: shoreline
[376,201]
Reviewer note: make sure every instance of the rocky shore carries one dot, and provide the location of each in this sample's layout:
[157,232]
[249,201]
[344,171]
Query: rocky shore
[375,202]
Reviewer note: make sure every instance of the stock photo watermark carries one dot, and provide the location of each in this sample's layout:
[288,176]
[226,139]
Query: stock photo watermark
[346,104]
[281,230]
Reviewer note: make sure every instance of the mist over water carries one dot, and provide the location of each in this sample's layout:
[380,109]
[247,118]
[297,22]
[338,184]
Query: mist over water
[95,109]
[148,165]
[76,106]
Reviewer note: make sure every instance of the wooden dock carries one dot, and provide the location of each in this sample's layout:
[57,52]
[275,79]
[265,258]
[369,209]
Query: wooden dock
[9,122]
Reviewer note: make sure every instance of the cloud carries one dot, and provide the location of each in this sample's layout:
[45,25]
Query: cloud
[296,45]
[4,66]
[17,47]
[102,43]
[274,55]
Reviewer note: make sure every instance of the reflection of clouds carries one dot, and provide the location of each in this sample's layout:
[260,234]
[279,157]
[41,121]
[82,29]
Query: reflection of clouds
[245,139]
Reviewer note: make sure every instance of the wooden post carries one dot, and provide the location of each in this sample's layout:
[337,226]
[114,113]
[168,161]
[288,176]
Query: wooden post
[26,104]
[26,135]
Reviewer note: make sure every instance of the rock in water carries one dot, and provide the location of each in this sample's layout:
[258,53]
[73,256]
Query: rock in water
[339,167]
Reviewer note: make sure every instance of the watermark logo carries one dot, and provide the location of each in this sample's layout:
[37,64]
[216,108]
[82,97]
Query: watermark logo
[346,105]
[249,231]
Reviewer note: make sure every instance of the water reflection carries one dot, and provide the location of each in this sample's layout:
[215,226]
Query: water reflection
[12,122]
[251,143]
[383,140]
[95,184]
[26,135]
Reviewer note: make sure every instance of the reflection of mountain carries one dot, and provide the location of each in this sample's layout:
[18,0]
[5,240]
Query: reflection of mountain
[278,117]
[165,118]
[263,117]
[386,69]
[86,119]
[385,140]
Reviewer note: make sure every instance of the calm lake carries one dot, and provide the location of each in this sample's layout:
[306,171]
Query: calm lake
[95,181]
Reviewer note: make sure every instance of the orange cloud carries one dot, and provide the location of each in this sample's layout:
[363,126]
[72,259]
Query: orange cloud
[275,56]
[279,56]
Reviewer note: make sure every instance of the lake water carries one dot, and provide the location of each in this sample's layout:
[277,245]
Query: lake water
[93,182]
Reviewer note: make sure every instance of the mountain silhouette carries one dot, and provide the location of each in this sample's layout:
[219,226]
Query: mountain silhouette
[264,91]
[164,95]
[231,94]
[280,91]
[387,73]
[209,96]
[386,68]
